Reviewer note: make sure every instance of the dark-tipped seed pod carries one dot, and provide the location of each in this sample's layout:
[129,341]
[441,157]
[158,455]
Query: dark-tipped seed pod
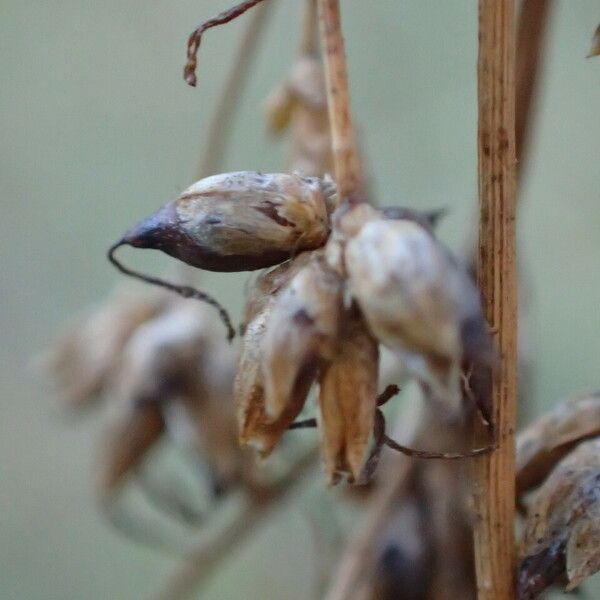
[239,221]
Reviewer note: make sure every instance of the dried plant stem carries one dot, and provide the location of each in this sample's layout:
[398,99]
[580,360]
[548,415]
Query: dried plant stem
[494,474]
[219,129]
[531,34]
[201,561]
[345,154]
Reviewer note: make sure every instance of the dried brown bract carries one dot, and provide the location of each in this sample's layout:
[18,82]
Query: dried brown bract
[83,361]
[301,333]
[561,540]
[548,439]
[255,427]
[348,399]
[595,47]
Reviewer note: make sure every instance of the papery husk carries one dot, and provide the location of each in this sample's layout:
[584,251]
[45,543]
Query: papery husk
[300,334]
[347,400]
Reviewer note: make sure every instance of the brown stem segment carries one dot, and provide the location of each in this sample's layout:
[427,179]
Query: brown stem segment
[345,154]
[494,474]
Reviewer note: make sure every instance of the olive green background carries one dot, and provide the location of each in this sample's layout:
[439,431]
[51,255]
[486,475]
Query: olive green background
[98,129]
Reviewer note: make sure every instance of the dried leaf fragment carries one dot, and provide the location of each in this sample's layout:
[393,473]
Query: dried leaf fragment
[562,530]
[347,400]
[551,437]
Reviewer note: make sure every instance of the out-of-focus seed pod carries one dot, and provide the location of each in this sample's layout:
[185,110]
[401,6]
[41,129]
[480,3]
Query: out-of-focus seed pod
[180,359]
[548,439]
[300,102]
[347,400]
[561,539]
[82,362]
[239,221]
[255,427]
[300,334]
[595,47]
[417,300]
[129,438]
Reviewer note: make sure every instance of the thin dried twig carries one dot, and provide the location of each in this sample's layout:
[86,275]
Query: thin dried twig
[189,71]
[345,153]
[201,561]
[494,474]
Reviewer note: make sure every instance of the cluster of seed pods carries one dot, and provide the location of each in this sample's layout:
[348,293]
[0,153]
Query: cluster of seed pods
[346,278]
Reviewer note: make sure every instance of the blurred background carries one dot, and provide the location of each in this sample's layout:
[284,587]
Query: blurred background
[98,129]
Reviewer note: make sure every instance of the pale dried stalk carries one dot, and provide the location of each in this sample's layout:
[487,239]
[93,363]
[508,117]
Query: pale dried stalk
[531,34]
[494,474]
[345,154]
[201,562]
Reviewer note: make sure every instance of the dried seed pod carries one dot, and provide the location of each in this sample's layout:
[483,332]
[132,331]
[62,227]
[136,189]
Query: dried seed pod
[239,221]
[347,400]
[595,47]
[255,427]
[300,334]
[416,298]
[551,437]
[561,539]
[83,361]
